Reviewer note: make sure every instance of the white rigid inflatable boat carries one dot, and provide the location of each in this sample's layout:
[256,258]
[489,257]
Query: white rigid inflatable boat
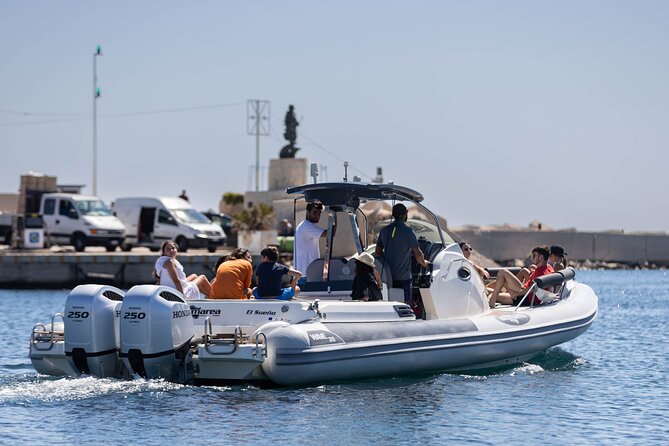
[323,335]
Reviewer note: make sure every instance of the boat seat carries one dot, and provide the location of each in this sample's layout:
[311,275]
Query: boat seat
[341,274]
[388,293]
[315,271]
[339,269]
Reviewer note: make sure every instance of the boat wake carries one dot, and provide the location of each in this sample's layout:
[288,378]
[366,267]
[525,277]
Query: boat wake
[557,359]
[29,389]
[554,359]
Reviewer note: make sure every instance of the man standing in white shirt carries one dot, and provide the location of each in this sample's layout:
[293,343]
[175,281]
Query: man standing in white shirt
[307,236]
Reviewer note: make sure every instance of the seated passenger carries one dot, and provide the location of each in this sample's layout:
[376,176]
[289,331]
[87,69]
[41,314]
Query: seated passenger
[557,258]
[467,252]
[233,276]
[367,282]
[269,274]
[517,289]
[170,272]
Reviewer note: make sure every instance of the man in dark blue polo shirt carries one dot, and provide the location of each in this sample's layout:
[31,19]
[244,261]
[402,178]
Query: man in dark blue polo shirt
[396,242]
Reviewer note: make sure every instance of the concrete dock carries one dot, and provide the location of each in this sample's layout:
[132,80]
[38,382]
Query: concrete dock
[47,269]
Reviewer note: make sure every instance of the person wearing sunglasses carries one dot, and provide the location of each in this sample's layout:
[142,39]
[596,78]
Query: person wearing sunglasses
[467,252]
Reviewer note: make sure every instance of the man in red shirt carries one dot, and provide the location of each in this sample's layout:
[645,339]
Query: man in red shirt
[515,289]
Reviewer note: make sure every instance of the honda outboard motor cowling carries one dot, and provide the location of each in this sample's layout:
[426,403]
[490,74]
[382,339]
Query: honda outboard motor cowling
[92,338]
[156,329]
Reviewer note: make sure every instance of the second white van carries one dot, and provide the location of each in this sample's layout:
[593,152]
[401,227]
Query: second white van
[149,221]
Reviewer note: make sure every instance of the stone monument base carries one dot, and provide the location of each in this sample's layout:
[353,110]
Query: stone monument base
[286,172]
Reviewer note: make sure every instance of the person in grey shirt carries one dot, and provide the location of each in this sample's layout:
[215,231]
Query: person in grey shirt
[396,242]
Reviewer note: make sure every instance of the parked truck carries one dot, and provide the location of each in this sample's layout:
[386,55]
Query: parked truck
[5,228]
[80,221]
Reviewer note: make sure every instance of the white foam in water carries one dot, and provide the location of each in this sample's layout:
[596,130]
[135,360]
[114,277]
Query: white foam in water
[527,368]
[69,389]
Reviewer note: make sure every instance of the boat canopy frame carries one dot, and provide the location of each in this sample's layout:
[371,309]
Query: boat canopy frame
[347,197]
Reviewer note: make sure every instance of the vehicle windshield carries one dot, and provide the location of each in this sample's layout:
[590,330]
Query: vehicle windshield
[93,208]
[190,216]
[421,228]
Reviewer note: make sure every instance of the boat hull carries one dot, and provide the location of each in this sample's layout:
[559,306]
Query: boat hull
[320,352]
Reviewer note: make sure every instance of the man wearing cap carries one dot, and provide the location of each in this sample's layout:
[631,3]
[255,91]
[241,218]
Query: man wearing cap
[396,243]
[557,258]
[307,235]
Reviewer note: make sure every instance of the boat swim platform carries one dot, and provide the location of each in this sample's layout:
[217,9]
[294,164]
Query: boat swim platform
[48,269]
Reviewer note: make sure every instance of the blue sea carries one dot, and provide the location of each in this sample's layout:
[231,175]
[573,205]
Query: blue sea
[609,386]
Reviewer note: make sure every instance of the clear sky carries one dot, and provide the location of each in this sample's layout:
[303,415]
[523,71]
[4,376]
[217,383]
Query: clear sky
[498,111]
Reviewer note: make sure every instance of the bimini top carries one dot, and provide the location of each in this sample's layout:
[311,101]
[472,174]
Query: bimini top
[352,193]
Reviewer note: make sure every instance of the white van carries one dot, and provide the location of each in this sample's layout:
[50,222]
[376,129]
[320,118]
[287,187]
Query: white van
[80,221]
[151,221]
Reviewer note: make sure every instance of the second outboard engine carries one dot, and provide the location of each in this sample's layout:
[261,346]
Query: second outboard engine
[156,329]
[92,330]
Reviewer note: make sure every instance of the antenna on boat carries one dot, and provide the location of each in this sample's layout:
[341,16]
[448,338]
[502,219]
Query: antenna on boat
[314,172]
[345,171]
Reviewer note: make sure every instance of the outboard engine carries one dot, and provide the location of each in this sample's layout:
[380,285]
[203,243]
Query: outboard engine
[92,330]
[156,329]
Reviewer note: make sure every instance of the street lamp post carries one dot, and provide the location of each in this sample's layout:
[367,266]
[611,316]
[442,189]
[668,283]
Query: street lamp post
[96,95]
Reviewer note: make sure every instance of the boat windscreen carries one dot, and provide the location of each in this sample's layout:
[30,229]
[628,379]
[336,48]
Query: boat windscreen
[420,227]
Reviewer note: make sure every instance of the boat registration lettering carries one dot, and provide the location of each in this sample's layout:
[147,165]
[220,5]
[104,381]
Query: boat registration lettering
[261,312]
[322,337]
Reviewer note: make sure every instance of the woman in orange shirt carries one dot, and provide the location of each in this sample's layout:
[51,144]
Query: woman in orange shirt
[233,276]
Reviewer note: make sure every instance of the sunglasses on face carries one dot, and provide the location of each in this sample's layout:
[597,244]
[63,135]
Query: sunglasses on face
[467,249]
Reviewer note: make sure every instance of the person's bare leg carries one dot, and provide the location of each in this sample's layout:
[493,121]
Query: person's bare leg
[505,298]
[202,284]
[505,280]
[523,275]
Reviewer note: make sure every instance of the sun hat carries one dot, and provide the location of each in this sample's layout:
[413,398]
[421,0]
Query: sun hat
[364,257]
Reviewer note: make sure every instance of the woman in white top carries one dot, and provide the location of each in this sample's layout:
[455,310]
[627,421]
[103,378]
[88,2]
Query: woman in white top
[171,274]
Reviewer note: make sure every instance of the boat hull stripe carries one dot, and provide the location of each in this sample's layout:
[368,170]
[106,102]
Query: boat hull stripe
[291,357]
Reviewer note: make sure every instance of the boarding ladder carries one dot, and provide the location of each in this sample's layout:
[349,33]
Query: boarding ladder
[239,336]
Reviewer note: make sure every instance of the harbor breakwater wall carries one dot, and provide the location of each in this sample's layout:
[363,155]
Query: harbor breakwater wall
[124,270]
[45,269]
[504,246]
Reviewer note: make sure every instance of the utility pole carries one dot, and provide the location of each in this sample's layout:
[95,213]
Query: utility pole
[257,123]
[96,95]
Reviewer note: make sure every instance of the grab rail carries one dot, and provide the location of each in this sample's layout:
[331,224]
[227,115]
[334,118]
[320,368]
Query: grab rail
[530,289]
[548,280]
[52,339]
[257,346]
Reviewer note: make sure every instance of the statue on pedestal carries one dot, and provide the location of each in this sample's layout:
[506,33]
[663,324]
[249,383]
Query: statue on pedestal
[289,150]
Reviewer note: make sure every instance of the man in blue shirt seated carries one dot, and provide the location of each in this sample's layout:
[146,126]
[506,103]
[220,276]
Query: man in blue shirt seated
[269,275]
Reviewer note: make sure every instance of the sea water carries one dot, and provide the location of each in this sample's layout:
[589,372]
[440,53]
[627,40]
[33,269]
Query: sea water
[607,386]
